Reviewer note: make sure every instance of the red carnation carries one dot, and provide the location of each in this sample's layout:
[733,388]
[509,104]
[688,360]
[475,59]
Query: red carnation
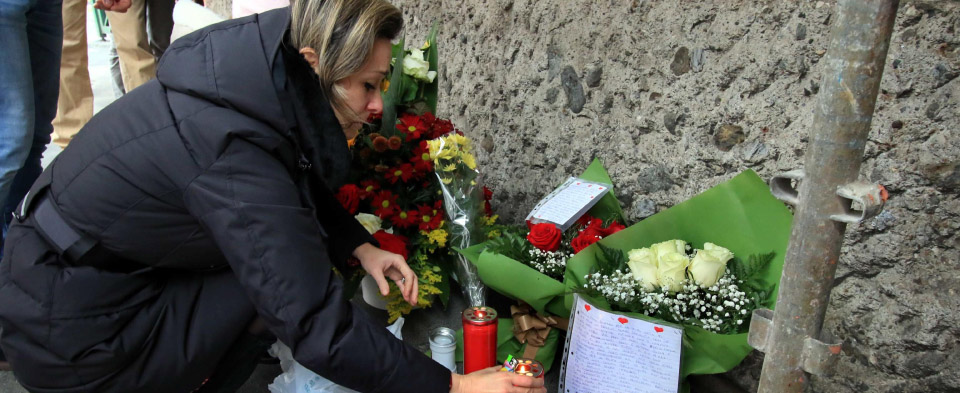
[394,243]
[545,236]
[349,197]
[487,196]
[384,204]
[440,128]
[428,119]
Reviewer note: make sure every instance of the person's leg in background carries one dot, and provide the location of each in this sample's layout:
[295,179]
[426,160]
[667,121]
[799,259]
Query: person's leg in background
[32,32]
[115,73]
[130,36]
[75,106]
[159,25]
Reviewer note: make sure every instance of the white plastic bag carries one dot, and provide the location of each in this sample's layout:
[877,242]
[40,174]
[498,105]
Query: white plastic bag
[189,16]
[298,379]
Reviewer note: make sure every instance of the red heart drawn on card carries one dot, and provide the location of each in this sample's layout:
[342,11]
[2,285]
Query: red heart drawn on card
[586,306]
[658,329]
[622,320]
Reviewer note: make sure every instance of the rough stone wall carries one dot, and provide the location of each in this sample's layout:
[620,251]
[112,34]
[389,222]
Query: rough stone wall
[678,96]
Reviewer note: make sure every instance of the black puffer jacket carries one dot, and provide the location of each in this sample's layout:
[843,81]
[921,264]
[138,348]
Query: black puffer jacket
[206,190]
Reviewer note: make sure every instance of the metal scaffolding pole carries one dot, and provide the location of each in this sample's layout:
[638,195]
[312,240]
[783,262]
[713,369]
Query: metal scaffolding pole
[824,192]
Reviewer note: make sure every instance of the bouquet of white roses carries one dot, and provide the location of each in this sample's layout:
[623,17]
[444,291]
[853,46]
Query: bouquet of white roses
[673,282]
[668,281]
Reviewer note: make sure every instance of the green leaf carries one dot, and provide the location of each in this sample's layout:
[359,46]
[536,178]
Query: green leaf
[409,89]
[751,272]
[391,98]
[610,259]
[510,244]
[430,90]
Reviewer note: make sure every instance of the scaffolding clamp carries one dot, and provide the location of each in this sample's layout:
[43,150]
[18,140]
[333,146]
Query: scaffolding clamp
[818,358]
[869,197]
[784,186]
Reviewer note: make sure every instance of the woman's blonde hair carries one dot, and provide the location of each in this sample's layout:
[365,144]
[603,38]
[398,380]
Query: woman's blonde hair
[342,32]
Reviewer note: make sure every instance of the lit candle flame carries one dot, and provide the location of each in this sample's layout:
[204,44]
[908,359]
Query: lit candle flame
[523,368]
[480,314]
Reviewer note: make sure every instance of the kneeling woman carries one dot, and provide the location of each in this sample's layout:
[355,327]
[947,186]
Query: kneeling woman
[191,222]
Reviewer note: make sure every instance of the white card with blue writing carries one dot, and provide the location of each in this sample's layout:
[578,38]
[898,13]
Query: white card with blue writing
[564,205]
[606,352]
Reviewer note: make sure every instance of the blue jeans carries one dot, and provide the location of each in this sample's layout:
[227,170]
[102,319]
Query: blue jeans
[31,39]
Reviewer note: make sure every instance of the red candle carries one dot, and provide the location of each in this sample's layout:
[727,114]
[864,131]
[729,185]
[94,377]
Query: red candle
[479,338]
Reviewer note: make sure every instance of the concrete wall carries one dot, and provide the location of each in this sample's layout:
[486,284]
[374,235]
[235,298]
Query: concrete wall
[677,96]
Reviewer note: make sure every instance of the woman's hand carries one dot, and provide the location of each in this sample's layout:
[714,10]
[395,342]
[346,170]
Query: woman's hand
[382,264]
[491,380]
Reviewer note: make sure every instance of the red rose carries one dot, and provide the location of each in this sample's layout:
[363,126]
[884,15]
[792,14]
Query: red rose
[394,243]
[613,228]
[545,236]
[584,240]
[584,220]
[594,228]
[349,197]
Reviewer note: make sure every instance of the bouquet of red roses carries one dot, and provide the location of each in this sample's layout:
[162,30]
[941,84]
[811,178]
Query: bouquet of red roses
[528,264]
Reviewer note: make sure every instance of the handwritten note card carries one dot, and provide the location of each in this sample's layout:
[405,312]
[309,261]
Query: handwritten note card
[568,202]
[607,353]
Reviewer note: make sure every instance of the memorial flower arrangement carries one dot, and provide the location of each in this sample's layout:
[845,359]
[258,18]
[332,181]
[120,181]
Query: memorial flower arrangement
[702,264]
[673,282]
[393,189]
[527,263]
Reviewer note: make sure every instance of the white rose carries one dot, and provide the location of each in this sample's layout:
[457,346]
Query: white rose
[643,265]
[669,247]
[369,221]
[415,66]
[710,264]
[672,270]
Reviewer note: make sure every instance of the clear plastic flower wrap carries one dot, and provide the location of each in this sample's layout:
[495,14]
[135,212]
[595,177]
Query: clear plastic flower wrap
[456,168]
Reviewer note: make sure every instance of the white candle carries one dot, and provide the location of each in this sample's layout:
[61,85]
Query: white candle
[443,343]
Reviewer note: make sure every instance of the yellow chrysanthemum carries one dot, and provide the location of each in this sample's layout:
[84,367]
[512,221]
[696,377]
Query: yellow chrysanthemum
[469,160]
[491,219]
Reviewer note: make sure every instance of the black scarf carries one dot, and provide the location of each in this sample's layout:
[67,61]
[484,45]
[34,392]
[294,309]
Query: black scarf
[319,133]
